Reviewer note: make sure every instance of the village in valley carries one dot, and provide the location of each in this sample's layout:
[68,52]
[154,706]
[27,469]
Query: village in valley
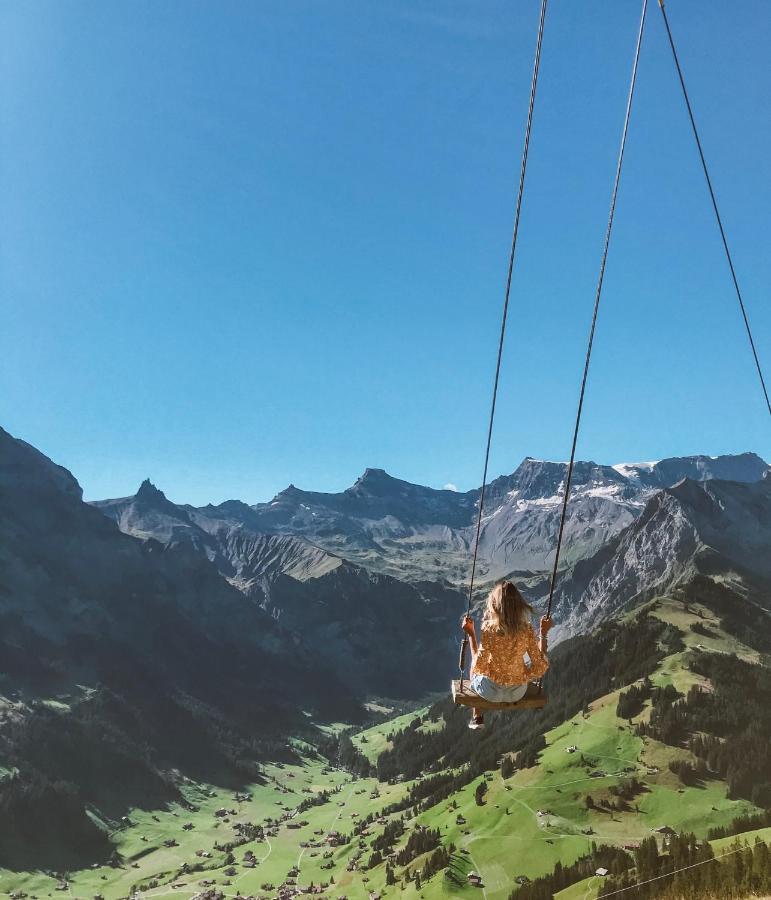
[310,828]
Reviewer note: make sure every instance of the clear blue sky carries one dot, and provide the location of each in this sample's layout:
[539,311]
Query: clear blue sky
[251,243]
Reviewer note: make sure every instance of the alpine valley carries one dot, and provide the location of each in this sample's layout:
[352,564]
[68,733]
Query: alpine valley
[251,699]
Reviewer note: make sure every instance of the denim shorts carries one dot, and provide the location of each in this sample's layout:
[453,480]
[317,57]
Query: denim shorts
[497,693]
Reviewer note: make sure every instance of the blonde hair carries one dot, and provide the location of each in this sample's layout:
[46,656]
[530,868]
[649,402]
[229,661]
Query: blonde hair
[507,610]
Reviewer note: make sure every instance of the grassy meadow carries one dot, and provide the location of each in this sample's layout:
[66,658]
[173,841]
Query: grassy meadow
[525,824]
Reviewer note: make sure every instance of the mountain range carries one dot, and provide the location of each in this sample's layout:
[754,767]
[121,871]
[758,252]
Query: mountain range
[628,518]
[141,638]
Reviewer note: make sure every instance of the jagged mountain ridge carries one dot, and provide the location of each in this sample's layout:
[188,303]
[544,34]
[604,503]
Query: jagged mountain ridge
[720,529]
[415,532]
[71,578]
[137,573]
[342,607]
[385,525]
[225,534]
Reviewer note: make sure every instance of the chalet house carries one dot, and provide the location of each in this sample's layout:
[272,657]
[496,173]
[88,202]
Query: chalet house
[602,872]
[666,833]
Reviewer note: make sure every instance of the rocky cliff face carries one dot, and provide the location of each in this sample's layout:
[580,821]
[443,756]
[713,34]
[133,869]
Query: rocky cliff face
[714,528]
[123,660]
[349,613]
[417,533]
[631,528]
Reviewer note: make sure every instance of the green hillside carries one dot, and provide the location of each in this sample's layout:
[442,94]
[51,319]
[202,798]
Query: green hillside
[596,781]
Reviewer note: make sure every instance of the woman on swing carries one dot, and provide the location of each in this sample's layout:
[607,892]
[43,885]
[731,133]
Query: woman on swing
[499,672]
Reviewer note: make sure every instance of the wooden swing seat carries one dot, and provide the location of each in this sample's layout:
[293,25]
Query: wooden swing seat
[535,698]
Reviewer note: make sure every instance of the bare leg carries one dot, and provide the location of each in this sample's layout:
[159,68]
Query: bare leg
[476,714]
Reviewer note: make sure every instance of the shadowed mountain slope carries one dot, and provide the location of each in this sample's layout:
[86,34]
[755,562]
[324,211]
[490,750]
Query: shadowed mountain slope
[123,660]
[719,528]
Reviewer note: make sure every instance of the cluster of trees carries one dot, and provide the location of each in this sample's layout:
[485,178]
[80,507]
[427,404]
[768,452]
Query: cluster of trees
[413,725]
[439,860]
[48,823]
[420,841]
[619,805]
[544,888]
[340,750]
[741,824]
[727,727]
[390,834]
[687,772]
[429,791]
[627,788]
[314,800]
[480,791]
[528,755]
[690,870]
[631,702]
[738,617]
[666,721]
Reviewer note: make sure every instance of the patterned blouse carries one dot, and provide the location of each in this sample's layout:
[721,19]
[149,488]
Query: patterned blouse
[501,656]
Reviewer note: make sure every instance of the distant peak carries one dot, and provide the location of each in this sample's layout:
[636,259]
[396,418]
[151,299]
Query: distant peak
[376,483]
[374,477]
[148,491]
[374,473]
[289,491]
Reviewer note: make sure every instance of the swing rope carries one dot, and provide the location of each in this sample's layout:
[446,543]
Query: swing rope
[504,316]
[715,207]
[597,297]
[598,293]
